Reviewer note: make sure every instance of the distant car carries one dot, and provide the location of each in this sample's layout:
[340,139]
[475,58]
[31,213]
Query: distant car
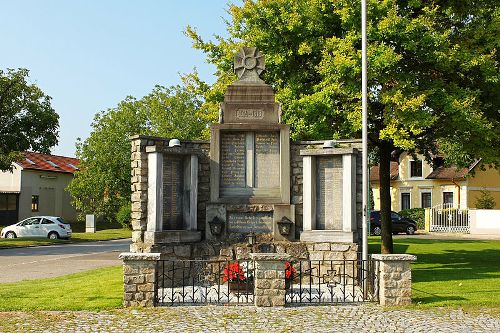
[52,227]
[400,223]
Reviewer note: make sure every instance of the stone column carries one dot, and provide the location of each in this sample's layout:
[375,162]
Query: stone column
[270,278]
[394,278]
[139,276]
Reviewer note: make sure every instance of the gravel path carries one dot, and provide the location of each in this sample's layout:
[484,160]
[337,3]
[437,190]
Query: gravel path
[352,318]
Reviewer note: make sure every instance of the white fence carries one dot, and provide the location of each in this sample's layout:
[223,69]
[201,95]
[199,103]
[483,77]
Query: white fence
[449,218]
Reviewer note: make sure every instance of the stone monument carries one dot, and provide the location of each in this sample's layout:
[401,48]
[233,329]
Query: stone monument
[250,156]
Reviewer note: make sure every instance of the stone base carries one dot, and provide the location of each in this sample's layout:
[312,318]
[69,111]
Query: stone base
[334,236]
[172,237]
[90,230]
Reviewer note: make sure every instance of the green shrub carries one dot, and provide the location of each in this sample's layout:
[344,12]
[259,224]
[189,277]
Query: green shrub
[417,214]
[123,215]
[485,200]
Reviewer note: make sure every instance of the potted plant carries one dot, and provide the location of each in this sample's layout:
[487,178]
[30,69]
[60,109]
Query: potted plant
[238,276]
[289,274]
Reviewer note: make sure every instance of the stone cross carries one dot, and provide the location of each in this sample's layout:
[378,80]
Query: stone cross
[249,63]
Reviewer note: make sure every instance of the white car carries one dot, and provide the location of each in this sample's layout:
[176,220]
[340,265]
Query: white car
[52,227]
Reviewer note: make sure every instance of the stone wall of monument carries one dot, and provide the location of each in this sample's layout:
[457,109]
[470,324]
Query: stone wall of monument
[139,164]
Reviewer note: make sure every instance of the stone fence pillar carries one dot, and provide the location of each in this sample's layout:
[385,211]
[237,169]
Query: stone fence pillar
[139,276]
[394,278]
[270,278]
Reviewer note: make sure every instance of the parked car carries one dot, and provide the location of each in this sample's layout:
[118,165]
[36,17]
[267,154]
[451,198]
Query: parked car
[400,223]
[52,227]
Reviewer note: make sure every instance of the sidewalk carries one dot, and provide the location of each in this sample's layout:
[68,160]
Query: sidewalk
[242,319]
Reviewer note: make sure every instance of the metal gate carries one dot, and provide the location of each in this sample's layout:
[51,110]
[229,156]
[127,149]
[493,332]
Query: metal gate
[449,218]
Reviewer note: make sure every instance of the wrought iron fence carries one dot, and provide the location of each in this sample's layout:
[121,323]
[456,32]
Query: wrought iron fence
[331,281]
[204,282]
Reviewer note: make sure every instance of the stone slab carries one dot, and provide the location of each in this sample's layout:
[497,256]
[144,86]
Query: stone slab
[328,151]
[246,222]
[270,256]
[139,256]
[335,236]
[172,237]
[394,257]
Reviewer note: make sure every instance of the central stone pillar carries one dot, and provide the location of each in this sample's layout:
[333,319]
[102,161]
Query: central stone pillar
[270,278]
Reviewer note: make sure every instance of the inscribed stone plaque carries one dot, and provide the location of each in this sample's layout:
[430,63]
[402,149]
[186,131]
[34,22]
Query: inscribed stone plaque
[267,159]
[246,222]
[232,160]
[329,193]
[173,186]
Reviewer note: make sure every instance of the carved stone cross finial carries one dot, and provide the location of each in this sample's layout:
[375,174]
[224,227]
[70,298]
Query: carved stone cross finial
[249,63]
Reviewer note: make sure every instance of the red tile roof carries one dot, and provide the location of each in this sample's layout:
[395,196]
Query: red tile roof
[375,169]
[451,172]
[45,162]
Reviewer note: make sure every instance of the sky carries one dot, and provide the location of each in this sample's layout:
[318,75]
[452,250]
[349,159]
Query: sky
[88,55]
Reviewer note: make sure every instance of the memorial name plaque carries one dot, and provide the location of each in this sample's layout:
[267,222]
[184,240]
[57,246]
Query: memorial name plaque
[246,222]
[329,193]
[250,114]
[267,159]
[173,172]
[232,160]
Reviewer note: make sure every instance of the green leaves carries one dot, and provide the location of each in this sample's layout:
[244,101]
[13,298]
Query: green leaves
[28,121]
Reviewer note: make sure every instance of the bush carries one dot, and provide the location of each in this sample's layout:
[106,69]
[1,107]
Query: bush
[123,216]
[417,214]
[485,200]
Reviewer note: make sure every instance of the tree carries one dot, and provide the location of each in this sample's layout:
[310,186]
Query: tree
[102,186]
[28,121]
[433,74]
[485,200]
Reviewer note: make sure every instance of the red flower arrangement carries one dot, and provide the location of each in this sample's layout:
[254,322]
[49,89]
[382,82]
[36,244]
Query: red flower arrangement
[234,272]
[289,271]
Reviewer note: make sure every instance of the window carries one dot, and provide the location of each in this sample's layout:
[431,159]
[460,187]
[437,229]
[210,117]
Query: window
[426,199]
[45,221]
[448,198]
[415,168]
[31,221]
[8,202]
[405,201]
[34,203]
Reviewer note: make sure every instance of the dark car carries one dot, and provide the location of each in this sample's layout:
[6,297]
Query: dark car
[400,223]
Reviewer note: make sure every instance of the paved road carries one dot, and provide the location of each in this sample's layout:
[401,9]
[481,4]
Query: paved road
[56,260]
[242,319]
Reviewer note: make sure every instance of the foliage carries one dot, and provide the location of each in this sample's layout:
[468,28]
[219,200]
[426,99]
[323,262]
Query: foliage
[97,289]
[417,214]
[102,185]
[236,271]
[124,214]
[449,272]
[485,200]
[28,121]
[433,74]
[289,271]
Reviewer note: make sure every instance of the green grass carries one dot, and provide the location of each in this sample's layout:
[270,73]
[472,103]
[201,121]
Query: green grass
[463,273]
[76,237]
[99,289]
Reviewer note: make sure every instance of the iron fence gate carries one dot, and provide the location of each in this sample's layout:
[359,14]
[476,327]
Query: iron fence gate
[449,218]
[204,282]
[331,281]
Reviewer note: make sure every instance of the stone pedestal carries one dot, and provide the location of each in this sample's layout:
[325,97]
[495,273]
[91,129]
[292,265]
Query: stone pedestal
[90,223]
[139,278]
[270,278]
[394,276]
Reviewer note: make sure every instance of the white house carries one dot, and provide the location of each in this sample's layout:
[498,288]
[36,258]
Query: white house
[36,186]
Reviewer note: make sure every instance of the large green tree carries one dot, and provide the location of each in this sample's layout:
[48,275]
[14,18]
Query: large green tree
[27,119]
[433,76]
[102,185]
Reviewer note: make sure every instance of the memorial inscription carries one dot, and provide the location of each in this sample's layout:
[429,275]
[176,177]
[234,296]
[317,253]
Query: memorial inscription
[246,222]
[173,180]
[250,114]
[232,160]
[329,194]
[267,160]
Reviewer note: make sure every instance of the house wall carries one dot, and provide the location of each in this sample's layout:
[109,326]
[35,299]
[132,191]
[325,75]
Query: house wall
[488,180]
[50,187]
[10,181]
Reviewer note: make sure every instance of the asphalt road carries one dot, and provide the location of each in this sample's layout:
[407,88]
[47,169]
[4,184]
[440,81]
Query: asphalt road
[56,260]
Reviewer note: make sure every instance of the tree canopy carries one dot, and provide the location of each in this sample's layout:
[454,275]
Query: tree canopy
[102,185]
[28,121]
[433,74]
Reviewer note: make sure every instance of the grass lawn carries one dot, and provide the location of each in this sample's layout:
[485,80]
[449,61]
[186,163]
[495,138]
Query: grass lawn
[452,272]
[76,237]
[98,289]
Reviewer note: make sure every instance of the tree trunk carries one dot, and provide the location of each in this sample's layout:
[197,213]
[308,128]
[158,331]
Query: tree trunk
[385,150]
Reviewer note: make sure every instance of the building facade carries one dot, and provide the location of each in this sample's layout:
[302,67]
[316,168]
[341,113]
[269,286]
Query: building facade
[36,186]
[416,184]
